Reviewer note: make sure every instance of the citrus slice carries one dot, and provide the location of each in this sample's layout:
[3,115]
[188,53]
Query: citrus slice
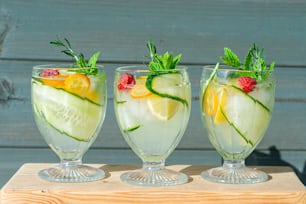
[163,108]
[210,101]
[213,99]
[55,82]
[140,90]
[77,84]
[219,117]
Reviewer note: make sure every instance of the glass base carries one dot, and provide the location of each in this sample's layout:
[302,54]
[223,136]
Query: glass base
[234,173]
[71,174]
[148,176]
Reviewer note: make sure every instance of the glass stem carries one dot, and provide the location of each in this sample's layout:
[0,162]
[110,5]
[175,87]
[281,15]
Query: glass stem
[66,163]
[153,166]
[230,164]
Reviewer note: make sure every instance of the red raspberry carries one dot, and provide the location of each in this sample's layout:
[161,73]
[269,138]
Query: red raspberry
[49,72]
[247,84]
[125,82]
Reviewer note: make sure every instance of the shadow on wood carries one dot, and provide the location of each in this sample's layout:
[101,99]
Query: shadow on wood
[273,158]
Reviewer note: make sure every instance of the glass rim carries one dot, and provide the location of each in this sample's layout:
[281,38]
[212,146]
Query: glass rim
[63,66]
[144,68]
[223,67]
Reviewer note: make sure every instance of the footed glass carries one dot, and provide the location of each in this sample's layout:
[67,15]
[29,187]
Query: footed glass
[152,110]
[69,109]
[236,111]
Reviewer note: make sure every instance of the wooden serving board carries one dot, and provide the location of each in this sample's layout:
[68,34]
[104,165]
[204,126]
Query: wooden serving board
[26,187]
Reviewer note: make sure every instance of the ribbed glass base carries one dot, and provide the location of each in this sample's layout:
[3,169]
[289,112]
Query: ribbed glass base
[154,175]
[71,173]
[234,173]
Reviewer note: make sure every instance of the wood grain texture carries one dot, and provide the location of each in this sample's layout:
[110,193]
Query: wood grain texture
[283,187]
[13,158]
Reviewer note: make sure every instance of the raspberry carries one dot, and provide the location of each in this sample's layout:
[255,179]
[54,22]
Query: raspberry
[247,84]
[125,82]
[49,72]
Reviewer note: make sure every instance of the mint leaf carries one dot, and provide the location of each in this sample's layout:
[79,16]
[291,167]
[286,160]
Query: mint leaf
[78,57]
[161,62]
[81,61]
[248,60]
[93,59]
[254,61]
[230,58]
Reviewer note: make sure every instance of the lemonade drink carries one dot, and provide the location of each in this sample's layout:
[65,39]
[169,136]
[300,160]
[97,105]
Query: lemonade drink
[68,108]
[236,118]
[152,121]
[237,100]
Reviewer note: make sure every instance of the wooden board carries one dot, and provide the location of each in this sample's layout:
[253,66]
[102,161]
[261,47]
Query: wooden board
[13,158]
[282,187]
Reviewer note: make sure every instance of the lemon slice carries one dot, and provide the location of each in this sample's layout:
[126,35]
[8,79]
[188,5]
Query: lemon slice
[219,117]
[213,100]
[163,108]
[210,101]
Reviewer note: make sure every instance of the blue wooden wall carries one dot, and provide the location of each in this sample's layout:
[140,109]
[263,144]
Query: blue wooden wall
[119,29]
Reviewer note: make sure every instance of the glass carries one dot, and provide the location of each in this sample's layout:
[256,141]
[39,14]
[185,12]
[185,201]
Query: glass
[152,109]
[236,111]
[69,109]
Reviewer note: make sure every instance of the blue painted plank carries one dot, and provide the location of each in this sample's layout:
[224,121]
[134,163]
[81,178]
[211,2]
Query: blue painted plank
[120,29]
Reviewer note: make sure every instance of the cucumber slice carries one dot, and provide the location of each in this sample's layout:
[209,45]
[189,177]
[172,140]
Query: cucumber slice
[128,122]
[131,128]
[69,114]
[248,116]
[162,85]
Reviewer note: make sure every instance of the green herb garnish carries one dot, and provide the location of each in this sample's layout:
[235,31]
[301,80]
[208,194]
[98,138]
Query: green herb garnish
[161,62]
[254,62]
[163,74]
[79,57]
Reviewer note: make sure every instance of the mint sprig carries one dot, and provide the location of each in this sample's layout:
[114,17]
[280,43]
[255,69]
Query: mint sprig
[79,57]
[254,61]
[161,62]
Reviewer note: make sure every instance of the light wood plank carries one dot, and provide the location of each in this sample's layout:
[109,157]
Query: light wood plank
[12,158]
[120,29]
[283,187]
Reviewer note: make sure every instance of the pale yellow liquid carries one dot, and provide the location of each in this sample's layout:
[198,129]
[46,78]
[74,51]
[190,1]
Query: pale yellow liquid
[237,137]
[155,139]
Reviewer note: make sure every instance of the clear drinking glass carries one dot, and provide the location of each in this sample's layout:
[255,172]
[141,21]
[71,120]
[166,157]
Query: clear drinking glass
[236,111]
[69,109]
[152,109]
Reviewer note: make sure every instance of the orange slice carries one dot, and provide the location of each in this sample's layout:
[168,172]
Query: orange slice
[56,83]
[77,84]
[140,90]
